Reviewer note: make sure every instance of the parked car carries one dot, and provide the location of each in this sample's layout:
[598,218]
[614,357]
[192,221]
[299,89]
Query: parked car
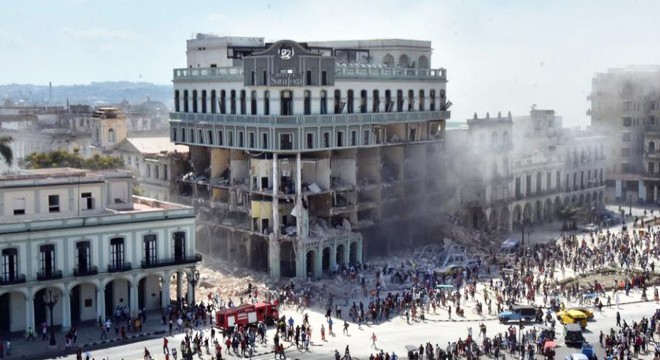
[573,337]
[589,228]
[520,313]
[576,356]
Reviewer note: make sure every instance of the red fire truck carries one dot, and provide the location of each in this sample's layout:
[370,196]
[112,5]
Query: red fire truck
[247,314]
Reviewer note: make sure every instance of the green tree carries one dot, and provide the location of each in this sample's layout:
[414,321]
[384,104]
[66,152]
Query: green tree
[5,149]
[65,159]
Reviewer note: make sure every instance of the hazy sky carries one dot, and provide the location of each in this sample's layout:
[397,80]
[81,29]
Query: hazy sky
[500,55]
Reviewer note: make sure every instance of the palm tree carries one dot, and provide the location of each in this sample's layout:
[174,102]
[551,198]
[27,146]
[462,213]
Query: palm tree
[5,149]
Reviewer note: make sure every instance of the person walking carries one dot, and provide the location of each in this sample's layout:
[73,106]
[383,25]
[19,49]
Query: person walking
[166,350]
[373,340]
[322,332]
[618,319]
[30,334]
[345,331]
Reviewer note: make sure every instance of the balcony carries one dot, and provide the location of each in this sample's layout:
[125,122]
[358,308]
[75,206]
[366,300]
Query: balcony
[49,275]
[12,279]
[113,268]
[85,271]
[652,155]
[172,261]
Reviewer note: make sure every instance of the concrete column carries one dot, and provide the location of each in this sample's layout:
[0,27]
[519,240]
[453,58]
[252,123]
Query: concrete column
[347,252]
[165,287]
[655,193]
[100,302]
[274,245]
[301,262]
[66,309]
[133,298]
[333,256]
[318,263]
[29,313]
[189,294]
[359,251]
[179,285]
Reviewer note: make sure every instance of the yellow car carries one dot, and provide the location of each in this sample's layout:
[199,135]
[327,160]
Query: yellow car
[585,311]
[572,316]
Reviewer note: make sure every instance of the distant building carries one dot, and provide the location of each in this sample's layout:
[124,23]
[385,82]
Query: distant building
[625,107]
[154,161]
[524,169]
[304,155]
[82,235]
[108,127]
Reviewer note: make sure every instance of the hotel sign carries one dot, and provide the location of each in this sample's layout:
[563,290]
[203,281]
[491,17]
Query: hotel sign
[286,79]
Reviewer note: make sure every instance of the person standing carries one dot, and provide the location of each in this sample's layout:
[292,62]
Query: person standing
[30,334]
[166,349]
[322,332]
[373,340]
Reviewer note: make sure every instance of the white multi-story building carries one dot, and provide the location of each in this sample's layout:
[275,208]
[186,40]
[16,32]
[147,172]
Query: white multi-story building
[524,169]
[83,236]
[304,154]
[153,160]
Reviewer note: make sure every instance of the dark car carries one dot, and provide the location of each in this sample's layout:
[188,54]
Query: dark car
[573,335]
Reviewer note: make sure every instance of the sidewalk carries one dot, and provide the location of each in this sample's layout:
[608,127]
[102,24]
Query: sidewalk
[89,338]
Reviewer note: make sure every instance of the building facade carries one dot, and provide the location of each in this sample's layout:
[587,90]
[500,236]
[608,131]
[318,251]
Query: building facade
[527,169]
[153,161]
[625,107]
[82,236]
[306,154]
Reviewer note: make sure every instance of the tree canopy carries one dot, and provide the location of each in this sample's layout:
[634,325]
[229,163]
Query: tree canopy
[5,149]
[60,158]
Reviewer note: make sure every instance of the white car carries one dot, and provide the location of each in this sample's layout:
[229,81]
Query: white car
[576,356]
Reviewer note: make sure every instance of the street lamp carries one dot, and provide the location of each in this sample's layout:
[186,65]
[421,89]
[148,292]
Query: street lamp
[50,299]
[193,278]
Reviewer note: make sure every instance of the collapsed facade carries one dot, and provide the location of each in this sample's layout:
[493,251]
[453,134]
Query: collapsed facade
[307,155]
[625,106]
[525,170]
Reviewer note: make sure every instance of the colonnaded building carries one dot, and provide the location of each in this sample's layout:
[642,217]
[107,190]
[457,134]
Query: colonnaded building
[81,236]
[308,155]
[525,170]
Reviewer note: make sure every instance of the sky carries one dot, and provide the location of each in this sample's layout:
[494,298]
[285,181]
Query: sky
[501,55]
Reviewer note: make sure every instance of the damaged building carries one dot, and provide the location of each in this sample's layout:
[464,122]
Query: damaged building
[307,156]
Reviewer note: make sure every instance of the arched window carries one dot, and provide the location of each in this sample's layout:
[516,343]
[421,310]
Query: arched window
[203,101]
[404,60]
[266,102]
[194,101]
[411,100]
[232,102]
[423,62]
[349,105]
[363,101]
[223,102]
[214,105]
[388,101]
[185,101]
[651,147]
[339,106]
[375,101]
[323,102]
[243,103]
[388,60]
[177,105]
[307,102]
[399,100]
[253,102]
[421,100]
[111,136]
[286,102]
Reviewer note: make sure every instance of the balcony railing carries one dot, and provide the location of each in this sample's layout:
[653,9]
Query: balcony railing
[49,275]
[11,280]
[148,264]
[113,268]
[85,271]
